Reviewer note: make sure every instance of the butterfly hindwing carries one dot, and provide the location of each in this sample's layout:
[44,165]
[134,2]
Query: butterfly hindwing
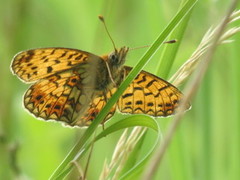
[95,107]
[61,97]
[67,97]
[149,94]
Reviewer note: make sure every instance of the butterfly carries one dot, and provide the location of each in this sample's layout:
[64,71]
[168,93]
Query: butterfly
[72,86]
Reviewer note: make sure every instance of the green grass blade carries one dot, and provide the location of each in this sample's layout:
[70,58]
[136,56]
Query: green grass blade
[135,154]
[137,120]
[136,171]
[178,147]
[169,52]
[146,57]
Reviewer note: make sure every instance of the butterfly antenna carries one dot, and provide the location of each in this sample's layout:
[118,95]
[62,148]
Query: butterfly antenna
[103,21]
[170,41]
[165,42]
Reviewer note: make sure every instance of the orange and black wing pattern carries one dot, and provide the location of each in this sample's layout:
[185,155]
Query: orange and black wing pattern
[40,63]
[64,82]
[95,107]
[149,94]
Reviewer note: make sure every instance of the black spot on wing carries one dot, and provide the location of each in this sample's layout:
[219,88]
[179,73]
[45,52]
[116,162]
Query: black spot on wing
[49,69]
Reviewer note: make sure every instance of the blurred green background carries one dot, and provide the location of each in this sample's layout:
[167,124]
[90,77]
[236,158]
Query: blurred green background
[207,144]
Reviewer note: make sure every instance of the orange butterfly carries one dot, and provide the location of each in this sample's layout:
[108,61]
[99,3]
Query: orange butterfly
[72,86]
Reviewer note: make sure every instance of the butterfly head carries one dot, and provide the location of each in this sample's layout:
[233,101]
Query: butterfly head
[117,57]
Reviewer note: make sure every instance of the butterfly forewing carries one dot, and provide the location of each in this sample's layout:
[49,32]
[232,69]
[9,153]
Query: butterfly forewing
[40,63]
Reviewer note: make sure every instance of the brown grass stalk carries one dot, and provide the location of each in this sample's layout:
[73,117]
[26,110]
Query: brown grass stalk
[191,89]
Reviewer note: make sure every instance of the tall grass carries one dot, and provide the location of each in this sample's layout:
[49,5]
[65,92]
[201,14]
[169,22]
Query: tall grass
[205,146]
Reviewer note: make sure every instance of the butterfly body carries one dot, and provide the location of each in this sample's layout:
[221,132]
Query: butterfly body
[72,86]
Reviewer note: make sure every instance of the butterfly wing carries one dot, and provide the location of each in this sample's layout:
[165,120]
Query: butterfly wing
[60,97]
[65,97]
[40,63]
[95,107]
[149,94]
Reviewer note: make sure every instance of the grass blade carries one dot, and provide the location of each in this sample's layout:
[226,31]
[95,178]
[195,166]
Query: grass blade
[146,57]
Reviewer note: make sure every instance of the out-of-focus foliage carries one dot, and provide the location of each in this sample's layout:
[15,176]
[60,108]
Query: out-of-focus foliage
[207,144]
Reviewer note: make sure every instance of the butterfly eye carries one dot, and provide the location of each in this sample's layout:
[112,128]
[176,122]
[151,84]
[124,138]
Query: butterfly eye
[113,58]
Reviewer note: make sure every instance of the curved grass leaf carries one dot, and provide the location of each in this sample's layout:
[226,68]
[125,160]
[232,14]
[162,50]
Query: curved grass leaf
[136,120]
[146,57]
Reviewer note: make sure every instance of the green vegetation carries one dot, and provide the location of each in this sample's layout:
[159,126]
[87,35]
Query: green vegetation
[205,146]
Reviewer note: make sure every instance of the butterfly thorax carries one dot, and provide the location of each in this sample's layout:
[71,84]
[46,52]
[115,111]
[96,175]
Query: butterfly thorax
[110,71]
